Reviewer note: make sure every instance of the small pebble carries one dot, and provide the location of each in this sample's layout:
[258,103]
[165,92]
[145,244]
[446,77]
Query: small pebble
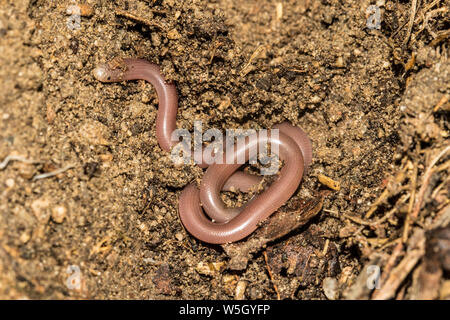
[40,209]
[83,10]
[179,236]
[108,157]
[340,62]
[86,10]
[173,34]
[24,237]
[330,288]
[345,275]
[156,39]
[10,182]
[240,290]
[210,268]
[229,283]
[279,10]
[59,214]
[315,99]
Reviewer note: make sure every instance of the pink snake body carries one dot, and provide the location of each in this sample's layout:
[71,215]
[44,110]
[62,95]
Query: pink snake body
[224,224]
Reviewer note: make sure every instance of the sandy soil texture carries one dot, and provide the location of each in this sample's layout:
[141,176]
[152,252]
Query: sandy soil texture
[89,201]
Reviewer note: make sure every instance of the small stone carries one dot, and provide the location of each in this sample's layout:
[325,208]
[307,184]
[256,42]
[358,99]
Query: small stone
[173,34]
[51,113]
[345,275]
[26,170]
[315,99]
[107,157]
[179,236]
[255,293]
[229,283]
[210,268]
[86,10]
[340,62]
[279,10]
[240,290]
[24,237]
[59,213]
[83,10]
[10,182]
[40,209]
[156,39]
[330,288]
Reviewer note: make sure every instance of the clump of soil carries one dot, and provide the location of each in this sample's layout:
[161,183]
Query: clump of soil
[375,103]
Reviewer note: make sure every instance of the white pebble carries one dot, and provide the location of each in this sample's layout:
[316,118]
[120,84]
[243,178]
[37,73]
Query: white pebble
[59,214]
[330,288]
[240,290]
[10,182]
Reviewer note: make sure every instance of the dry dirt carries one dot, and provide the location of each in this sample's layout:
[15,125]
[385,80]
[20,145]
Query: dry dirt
[373,101]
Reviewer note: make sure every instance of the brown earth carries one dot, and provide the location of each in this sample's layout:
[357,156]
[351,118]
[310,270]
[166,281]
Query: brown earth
[374,102]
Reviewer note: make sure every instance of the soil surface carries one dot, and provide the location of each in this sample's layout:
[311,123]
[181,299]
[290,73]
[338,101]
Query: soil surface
[374,100]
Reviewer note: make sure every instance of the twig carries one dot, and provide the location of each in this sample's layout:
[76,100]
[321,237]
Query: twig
[442,219]
[426,180]
[271,276]
[387,192]
[390,243]
[426,18]
[217,45]
[325,248]
[439,188]
[411,21]
[9,158]
[53,173]
[391,262]
[418,20]
[138,19]
[441,36]
[441,102]
[416,250]
[411,203]
[379,220]
[246,69]
[371,223]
